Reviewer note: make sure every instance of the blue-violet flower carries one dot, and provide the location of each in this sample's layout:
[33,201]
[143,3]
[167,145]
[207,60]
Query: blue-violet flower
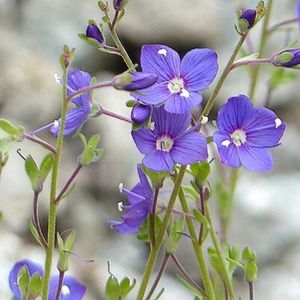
[140,113]
[246,133]
[288,58]
[248,15]
[178,82]
[139,205]
[168,141]
[71,290]
[93,32]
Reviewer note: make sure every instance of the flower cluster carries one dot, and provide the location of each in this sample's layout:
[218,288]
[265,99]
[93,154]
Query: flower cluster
[71,289]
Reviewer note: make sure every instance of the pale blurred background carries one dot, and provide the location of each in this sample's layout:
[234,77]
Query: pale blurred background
[267,206]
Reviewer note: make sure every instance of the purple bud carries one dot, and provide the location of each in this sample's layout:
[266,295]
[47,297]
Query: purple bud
[120,4]
[132,81]
[249,15]
[93,32]
[140,113]
[288,58]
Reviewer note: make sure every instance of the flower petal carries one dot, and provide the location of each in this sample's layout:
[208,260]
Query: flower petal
[147,190]
[189,148]
[264,129]
[227,150]
[122,227]
[159,161]
[179,104]
[72,289]
[137,213]
[161,60]
[255,159]
[13,275]
[170,124]
[144,140]
[154,95]
[232,115]
[198,68]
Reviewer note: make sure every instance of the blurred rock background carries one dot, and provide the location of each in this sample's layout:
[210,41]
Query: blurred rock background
[267,207]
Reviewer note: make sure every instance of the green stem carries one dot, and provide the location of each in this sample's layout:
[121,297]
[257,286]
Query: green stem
[52,208]
[198,250]
[152,225]
[225,273]
[212,98]
[262,46]
[160,237]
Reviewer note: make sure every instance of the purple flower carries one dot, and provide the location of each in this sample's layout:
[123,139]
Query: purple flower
[77,116]
[245,133]
[249,15]
[178,82]
[93,32]
[169,142]
[288,58]
[71,290]
[140,113]
[119,4]
[32,267]
[139,205]
[132,81]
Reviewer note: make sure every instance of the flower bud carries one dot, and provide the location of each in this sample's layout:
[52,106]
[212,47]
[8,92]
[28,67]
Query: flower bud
[93,32]
[132,81]
[247,19]
[288,58]
[140,113]
[120,4]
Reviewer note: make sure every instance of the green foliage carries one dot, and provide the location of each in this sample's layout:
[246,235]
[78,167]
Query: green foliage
[35,286]
[64,250]
[118,291]
[176,229]
[201,171]
[23,281]
[91,152]
[143,233]
[281,76]
[34,231]
[159,294]
[250,267]
[37,175]
[193,290]
[156,178]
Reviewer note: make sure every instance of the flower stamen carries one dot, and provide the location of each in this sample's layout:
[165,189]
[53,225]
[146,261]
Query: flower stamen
[164,143]
[238,137]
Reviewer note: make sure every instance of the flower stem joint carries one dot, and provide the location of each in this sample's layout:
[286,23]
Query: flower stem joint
[289,58]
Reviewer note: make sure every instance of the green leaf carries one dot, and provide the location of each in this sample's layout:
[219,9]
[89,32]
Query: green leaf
[189,191]
[189,287]
[156,178]
[106,20]
[33,173]
[70,241]
[201,171]
[94,141]
[6,143]
[177,228]
[35,286]
[34,231]
[112,288]
[10,128]
[46,167]
[200,218]
[143,233]
[126,287]
[248,254]
[91,152]
[281,76]
[159,294]
[23,281]
[214,260]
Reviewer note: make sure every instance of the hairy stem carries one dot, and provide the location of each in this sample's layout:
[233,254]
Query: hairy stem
[40,142]
[160,237]
[225,273]
[104,111]
[54,179]
[198,250]
[262,46]
[257,61]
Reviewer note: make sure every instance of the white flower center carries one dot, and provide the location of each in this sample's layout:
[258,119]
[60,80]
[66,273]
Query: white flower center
[65,290]
[164,143]
[176,85]
[238,137]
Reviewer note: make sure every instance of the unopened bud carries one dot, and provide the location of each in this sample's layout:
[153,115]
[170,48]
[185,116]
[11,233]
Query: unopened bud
[247,20]
[132,81]
[140,113]
[93,32]
[288,58]
[120,4]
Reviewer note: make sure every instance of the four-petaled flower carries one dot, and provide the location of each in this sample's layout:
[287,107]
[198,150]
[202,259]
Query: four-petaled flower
[71,289]
[178,82]
[245,133]
[169,142]
[139,205]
